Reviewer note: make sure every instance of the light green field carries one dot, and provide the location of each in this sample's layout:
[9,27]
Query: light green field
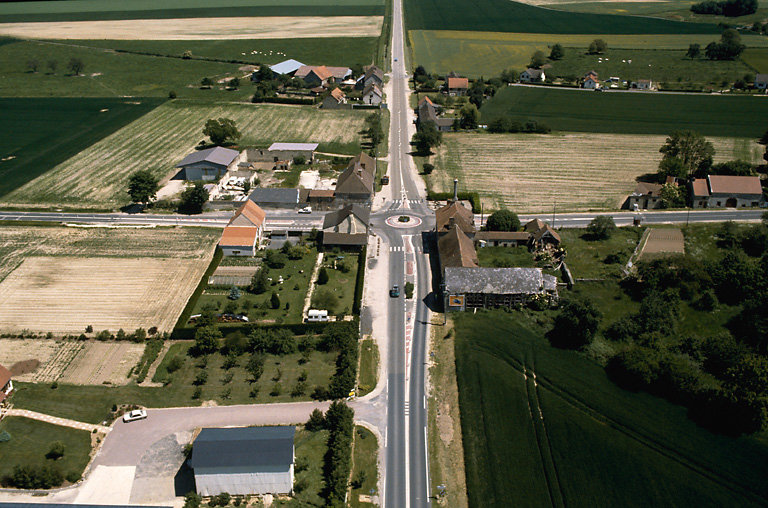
[756,58]
[678,10]
[488,53]
[97,177]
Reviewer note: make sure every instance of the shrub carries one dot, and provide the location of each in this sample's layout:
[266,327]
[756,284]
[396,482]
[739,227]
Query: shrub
[277,389]
[73,477]
[601,227]
[409,290]
[197,393]
[322,276]
[35,477]
[299,389]
[201,378]
[56,451]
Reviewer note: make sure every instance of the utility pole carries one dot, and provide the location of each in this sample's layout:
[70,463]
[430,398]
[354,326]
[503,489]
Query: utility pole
[554,206]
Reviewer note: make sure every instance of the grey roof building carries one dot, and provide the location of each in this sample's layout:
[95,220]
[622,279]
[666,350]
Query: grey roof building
[347,226]
[209,164]
[469,288]
[267,197]
[249,460]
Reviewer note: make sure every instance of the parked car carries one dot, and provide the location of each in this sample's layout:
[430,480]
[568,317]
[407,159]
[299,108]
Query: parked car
[136,414]
[394,292]
[306,209]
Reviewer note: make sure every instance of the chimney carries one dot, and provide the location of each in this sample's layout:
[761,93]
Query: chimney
[455,190]
[452,223]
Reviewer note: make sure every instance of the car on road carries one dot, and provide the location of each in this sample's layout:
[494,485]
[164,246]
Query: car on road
[395,291]
[306,209]
[136,414]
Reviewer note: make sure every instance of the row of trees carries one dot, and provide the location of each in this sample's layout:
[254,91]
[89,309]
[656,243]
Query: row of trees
[728,48]
[75,66]
[337,462]
[729,8]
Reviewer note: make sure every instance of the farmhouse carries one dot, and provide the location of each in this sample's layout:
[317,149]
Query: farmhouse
[646,196]
[356,182]
[372,76]
[244,232]
[275,198]
[454,213]
[532,76]
[372,95]
[6,384]
[455,249]
[457,86]
[242,461]
[590,81]
[284,152]
[718,191]
[761,81]
[337,99]
[466,288]
[427,112]
[347,226]
[210,164]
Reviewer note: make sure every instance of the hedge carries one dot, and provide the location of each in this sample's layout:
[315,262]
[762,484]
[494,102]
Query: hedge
[472,197]
[187,312]
[284,100]
[359,282]
[339,420]
[188,333]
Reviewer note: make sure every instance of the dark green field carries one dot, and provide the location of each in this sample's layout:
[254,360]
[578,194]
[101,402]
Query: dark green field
[594,444]
[631,113]
[507,16]
[41,133]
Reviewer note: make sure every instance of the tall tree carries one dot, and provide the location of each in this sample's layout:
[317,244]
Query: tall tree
[691,149]
[557,52]
[537,60]
[469,116]
[694,51]
[193,199]
[221,130]
[142,186]
[597,46]
[427,137]
[576,324]
[601,227]
[75,66]
[503,220]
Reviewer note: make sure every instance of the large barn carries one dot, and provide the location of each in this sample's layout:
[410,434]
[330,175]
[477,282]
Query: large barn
[246,460]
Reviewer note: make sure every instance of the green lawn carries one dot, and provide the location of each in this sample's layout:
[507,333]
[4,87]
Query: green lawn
[505,257]
[38,134]
[506,16]
[67,400]
[597,444]
[31,440]
[586,258]
[365,470]
[630,113]
[308,469]
[756,58]
[369,367]
[83,10]
[341,284]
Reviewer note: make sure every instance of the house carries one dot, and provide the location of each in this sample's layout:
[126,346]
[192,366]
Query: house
[337,99]
[243,461]
[725,191]
[286,68]
[210,164]
[427,112]
[590,81]
[457,86]
[761,81]
[502,238]
[320,199]
[372,95]
[244,232]
[347,226]
[6,384]
[317,75]
[357,182]
[371,75]
[291,151]
[646,196]
[275,198]
[466,288]
[532,76]
[642,84]
[455,249]
[543,236]
[454,213]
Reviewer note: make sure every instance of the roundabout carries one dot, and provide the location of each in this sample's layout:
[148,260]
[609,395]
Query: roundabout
[403,221]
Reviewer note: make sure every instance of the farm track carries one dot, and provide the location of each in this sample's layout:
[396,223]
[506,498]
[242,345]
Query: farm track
[642,438]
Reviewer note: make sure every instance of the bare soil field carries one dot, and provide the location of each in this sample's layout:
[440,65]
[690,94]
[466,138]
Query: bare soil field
[201,28]
[63,295]
[103,363]
[98,176]
[233,275]
[569,171]
[18,351]
[663,241]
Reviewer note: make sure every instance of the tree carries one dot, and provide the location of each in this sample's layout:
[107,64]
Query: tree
[221,130]
[32,65]
[143,186]
[56,451]
[469,116]
[601,227]
[75,66]
[322,276]
[557,52]
[502,220]
[52,65]
[728,48]
[374,131]
[694,51]
[275,259]
[274,300]
[316,421]
[575,325]
[597,46]
[234,293]
[427,137]
[691,149]
[428,168]
[671,196]
[207,340]
[764,139]
[537,60]
[259,281]
[234,83]
[733,168]
[206,82]
[193,199]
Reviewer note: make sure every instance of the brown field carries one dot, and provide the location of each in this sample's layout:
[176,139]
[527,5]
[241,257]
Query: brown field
[14,351]
[663,241]
[299,27]
[233,275]
[572,171]
[103,363]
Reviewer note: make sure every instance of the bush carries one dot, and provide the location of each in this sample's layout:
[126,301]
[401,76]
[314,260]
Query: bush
[576,324]
[35,477]
[73,477]
[277,389]
[56,451]
[338,459]
[316,421]
[601,227]
[322,276]
[503,220]
[409,290]
[201,378]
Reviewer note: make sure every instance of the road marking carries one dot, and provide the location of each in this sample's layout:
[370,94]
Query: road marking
[407,408]
[426,461]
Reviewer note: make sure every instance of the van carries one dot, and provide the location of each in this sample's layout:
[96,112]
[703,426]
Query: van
[317,316]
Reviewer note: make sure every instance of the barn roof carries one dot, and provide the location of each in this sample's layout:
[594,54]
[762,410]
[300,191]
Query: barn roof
[243,447]
[286,66]
[743,185]
[217,155]
[293,146]
[501,281]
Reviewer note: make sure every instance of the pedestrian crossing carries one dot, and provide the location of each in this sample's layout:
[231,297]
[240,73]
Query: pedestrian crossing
[399,202]
[407,408]
[396,248]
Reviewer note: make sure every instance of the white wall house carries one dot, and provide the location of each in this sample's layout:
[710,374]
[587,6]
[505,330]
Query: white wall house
[245,231]
[532,76]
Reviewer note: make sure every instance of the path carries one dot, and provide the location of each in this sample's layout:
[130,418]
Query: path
[55,420]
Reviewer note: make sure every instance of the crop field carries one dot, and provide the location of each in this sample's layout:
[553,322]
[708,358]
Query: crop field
[661,241]
[507,16]
[631,112]
[84,10]
[102,363]
[200,28]
[28,358]
[38,134]
[488,53]
[570,437]
[678,10]
[570,171]
[98,176]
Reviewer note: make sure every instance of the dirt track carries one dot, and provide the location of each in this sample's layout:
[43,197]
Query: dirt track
[299,27]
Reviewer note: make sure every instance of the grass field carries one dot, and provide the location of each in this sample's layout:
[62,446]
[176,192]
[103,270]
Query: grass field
[31,440]
[224,386]
[41,133]
[488,53]
[98,176]
[570,171]
[586,258]
[756,58]
[365,467]
[369,367]
[631,113]
[310,450]
[678,10]
[594,444]
[506,16]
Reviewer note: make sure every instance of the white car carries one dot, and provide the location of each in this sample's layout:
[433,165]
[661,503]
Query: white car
[306,209]
[136,414]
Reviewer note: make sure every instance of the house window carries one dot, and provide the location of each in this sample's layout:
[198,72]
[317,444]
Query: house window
[754,203]
[718,203]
